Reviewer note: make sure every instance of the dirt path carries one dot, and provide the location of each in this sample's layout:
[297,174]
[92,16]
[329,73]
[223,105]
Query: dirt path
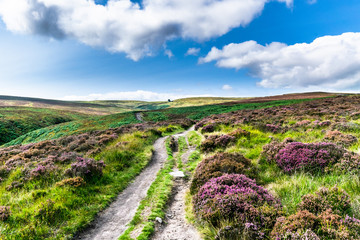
[176,227]
[111,223]
[139,116]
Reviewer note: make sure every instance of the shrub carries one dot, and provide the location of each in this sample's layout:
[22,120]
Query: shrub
[295,225]
[335,199]
[14,185]
[209,128]
[216,141]
[238,198]
[309,157]
[238,133]
[219,164]
[173,144]
[4,213]
[340,138]
[303,123]
[272,149]
[326,226]
[68,157]
[72,182]
[86,167]
[42,170]
[271,127]
[350,162]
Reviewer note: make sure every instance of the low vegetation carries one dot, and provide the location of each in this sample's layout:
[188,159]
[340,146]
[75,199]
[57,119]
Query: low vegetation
[53,189]
[17,121]
[305,160]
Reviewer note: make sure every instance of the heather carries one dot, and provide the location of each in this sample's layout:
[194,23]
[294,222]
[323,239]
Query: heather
[306,155]
[53,189]
[219,164]
[310,157]
[322,215]
[213,142]
[236,197]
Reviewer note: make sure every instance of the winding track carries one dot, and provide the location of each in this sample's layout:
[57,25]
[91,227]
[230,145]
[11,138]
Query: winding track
[176,227]
[111,223]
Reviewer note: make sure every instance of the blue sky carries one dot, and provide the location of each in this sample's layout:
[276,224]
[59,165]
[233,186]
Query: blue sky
[38,64]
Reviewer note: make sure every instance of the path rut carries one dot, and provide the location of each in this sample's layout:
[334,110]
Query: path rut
[177,228]
[111,223]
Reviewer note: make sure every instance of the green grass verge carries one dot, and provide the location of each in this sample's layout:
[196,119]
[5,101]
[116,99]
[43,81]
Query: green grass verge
[43,210]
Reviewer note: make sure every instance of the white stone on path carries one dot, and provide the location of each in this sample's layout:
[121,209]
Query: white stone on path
[177,174]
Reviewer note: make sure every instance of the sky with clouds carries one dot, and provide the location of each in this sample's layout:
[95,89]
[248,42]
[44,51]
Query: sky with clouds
[160,49]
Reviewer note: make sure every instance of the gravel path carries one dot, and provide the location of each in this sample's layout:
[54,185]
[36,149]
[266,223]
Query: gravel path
[176,227]
[139,116]
[111,223]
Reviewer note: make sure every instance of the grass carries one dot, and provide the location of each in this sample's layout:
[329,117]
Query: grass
[289,188]
[117,120]
[17,121]
[154,204]
[72,208]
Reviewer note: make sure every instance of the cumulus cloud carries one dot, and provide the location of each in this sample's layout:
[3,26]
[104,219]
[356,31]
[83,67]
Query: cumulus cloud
[227,87]
[192,52]
[131,95]
[124,26]
[329,61]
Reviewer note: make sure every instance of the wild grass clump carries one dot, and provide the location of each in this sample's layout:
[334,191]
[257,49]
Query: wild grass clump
[237,198]
[219,164]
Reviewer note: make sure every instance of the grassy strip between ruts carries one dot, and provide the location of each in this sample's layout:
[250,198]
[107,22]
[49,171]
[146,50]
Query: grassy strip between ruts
[182,149]
[143,223]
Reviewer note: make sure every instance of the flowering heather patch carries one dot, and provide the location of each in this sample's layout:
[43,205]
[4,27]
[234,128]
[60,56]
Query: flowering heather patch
[85,167]
[72,182]
[216,141]
[42,170]
[4,213]
[219,164]
[311,157]
[238,198]
[340,138]
[335,199]
[272,149]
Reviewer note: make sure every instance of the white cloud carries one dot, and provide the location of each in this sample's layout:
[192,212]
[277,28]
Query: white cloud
[192,52]
[125,26]
[132,95]
[169,53]
[329,61]
[227,87]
